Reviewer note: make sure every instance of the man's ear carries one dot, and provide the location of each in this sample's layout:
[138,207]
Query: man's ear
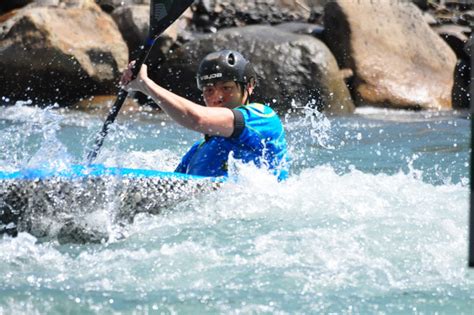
[253,82]
[251,85]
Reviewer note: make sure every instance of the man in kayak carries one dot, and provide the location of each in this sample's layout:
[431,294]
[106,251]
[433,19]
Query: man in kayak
[231,124]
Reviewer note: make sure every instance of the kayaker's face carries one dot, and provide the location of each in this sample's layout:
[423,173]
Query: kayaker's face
[223,94]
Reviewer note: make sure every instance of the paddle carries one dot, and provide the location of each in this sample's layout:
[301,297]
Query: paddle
[162,14]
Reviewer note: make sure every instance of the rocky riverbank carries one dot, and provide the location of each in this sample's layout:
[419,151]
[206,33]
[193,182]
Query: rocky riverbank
[335,55]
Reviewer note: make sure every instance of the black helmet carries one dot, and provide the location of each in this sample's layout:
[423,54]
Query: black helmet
[224,65]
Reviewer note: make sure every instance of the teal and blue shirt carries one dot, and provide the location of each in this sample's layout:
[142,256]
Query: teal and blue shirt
[258,137]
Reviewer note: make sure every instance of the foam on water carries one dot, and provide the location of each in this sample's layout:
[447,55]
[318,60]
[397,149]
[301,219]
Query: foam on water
[351,239]
[320,242]
[31,140]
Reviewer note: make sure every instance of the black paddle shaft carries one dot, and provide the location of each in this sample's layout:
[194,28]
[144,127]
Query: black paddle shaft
[121,97]
[162,14]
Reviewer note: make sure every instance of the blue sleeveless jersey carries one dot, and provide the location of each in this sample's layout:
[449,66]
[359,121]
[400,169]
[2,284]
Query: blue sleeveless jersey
[262,141]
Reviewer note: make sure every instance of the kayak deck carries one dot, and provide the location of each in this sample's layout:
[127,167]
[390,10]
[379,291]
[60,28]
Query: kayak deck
[94,170]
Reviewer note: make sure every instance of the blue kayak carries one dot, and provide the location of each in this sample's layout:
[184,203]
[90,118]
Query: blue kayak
[56,203]
[96,170]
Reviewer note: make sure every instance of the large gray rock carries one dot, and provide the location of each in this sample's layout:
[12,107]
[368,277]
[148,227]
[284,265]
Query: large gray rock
[302,28]
[398,61]
[60,53]
[290,67]
[6,6]
[111,5]
[455,36]
[133,22]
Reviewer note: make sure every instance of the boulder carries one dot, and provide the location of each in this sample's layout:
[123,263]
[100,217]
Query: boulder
[422,4]
[428,18]
[101,104]
[315,30]
[81,4]
[398,61]
[291,68]
[6,6]
[302,28]
[211,15]
[467,18]
[111,5]
[9,5]
[444,15]
[60,53]
[461,5]
[133,22]
[455,35]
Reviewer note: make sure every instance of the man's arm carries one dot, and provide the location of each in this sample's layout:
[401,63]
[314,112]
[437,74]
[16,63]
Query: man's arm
[206,120]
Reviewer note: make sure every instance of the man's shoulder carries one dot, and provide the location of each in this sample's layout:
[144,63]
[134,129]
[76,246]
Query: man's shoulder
[260,121]
[259,110]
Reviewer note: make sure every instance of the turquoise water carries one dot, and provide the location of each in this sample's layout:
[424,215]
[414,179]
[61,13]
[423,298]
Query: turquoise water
[373,220]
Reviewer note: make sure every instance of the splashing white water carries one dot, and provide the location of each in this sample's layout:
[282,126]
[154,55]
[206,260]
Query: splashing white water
[314,122]
[325,240]
[381,238]
[34,142]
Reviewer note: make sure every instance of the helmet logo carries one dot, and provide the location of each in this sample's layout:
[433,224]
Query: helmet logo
[211,76]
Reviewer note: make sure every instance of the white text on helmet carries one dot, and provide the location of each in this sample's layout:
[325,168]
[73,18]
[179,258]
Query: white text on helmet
[211,76]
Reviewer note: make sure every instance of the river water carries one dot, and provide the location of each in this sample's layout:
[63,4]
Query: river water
[373,220]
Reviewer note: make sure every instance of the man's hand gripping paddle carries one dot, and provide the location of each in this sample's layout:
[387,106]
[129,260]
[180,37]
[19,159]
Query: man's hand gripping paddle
[162,14]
